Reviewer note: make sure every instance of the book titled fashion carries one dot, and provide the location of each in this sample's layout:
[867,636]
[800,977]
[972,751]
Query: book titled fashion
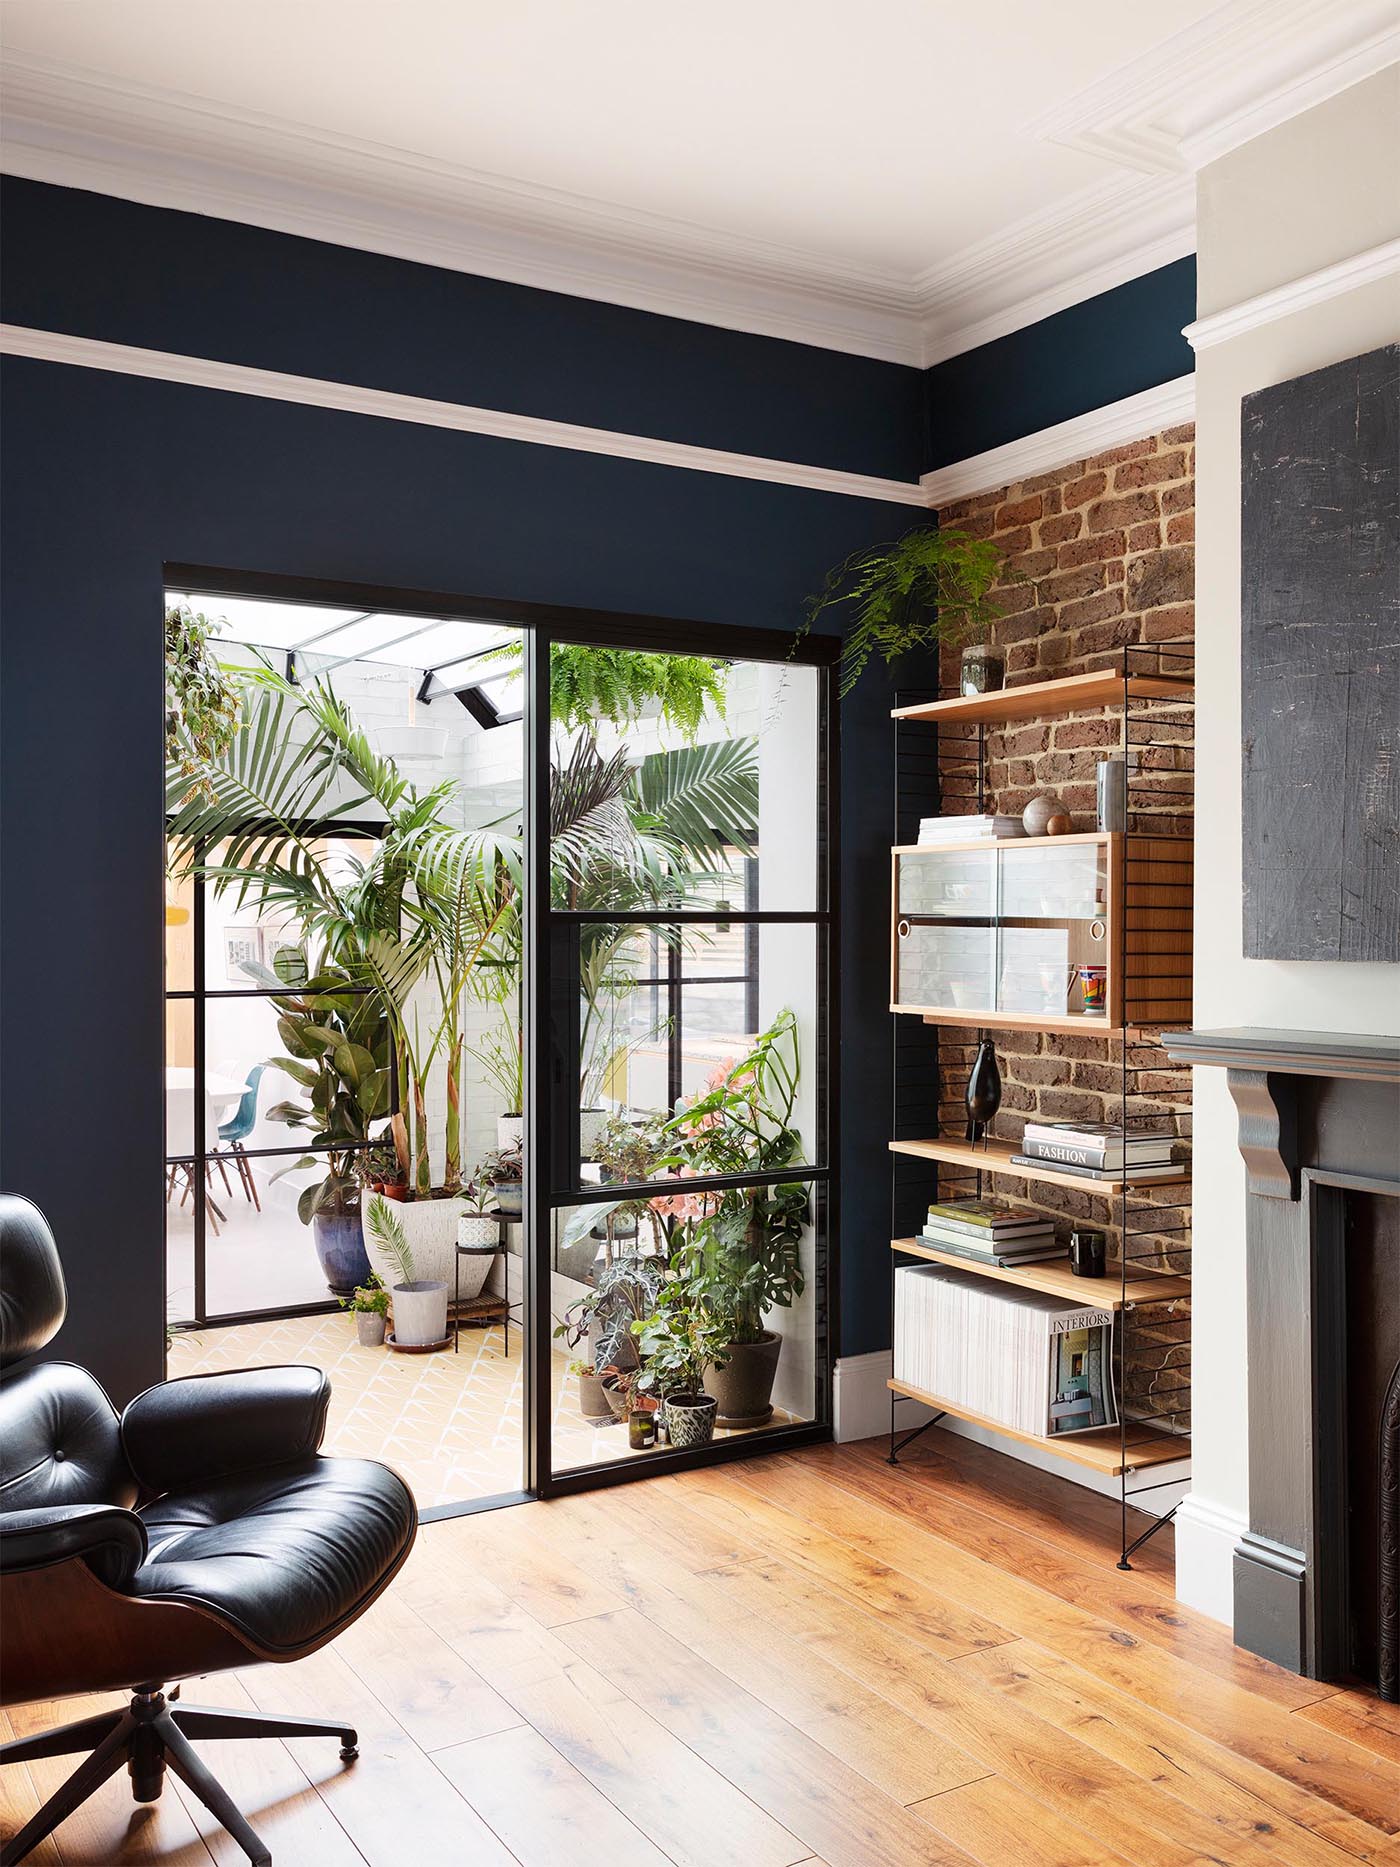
[1022,1358]
[1096,1144]
[1131,1172]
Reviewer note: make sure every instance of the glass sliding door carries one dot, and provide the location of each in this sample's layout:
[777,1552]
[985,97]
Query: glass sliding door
[685,984]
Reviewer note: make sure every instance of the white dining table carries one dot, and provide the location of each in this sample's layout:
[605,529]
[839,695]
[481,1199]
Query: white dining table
[224,1092]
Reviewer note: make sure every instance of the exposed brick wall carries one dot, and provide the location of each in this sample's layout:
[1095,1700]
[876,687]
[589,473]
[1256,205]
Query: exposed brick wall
[1101,553]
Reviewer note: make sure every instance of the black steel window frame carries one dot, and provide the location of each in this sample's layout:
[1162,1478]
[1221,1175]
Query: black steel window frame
[542,626]
[197,1160]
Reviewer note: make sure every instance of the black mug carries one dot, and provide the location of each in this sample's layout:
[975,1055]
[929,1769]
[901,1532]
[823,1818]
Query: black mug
[1088,1253]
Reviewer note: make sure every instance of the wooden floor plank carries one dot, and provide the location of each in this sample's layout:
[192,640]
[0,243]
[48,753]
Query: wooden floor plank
[394,1804]
[693,1814]
[1334,1768]
[541,1807]
[982,1817]
[1362,1717]
[1094,1585]
[19,1800]
[815,1796]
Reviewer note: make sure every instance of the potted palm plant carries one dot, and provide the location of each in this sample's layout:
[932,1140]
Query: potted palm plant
[419,1304]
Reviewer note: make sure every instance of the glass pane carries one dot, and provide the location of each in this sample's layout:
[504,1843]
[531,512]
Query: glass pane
[937,967]
[662,807]
[722,1290]
[698,1045]
[956,884]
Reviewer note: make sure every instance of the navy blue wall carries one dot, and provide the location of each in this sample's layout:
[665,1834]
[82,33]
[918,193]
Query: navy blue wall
[106,478]
[1098,351]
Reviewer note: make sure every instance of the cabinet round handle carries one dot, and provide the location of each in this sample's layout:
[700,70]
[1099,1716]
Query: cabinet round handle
[904,930]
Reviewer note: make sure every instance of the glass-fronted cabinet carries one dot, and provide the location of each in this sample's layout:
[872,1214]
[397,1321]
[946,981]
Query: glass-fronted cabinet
[1014,932]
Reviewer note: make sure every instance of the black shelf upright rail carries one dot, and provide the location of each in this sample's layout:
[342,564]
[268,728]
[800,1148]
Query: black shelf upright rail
[942,769]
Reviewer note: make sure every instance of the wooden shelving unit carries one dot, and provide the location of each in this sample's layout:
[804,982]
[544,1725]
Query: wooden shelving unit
[1056,1279]
[1106,1451]
[993,1156]
[1036,699]
[1147,920]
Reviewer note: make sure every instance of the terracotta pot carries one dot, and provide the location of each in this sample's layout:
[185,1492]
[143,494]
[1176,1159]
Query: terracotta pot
[743,1387]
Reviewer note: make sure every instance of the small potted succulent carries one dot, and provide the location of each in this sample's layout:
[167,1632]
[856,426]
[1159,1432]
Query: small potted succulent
[419,1304]
[370,1307]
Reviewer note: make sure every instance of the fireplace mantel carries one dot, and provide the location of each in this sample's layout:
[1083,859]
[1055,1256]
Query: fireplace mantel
[1319,1121]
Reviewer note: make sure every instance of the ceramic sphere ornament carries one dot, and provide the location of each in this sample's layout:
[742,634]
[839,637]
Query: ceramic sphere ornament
[1035,818]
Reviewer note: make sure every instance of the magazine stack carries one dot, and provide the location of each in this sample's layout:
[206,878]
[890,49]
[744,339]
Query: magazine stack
[935,830]
[1030,1362]
[1099,1149]
[987,1231]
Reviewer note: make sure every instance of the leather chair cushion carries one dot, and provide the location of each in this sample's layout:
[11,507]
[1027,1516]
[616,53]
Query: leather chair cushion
[112,1542]
[284,1555]
[33,1301]
[59,1442]
[207,1426]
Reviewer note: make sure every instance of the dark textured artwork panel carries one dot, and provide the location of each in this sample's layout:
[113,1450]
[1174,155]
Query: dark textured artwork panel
[1320,643]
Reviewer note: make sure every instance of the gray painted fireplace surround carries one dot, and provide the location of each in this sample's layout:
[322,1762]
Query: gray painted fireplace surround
[1319,1119]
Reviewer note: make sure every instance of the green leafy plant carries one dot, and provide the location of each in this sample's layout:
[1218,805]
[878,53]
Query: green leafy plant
[386,1229]
[624,1294]
[336,1044]
[928,588]
[202,700]
[617,684]
[739,1251]
[679,1341]
[371,1299]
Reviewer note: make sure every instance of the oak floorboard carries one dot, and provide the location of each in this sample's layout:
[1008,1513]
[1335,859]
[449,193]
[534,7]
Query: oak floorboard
[1212,1780]
[541,1807]
[981,1817]
[1361,1716]
[814,1795]
[1024,1498]
[1098,1587]
[19,1800]
[394,1804]
[695,1815]
[1334,1768]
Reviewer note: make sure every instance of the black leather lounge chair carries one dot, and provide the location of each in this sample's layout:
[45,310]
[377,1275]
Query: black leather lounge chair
[200,1531]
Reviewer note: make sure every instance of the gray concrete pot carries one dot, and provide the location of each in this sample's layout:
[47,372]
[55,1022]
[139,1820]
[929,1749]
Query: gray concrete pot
[420,1313]
[743,1387]
[369,1327]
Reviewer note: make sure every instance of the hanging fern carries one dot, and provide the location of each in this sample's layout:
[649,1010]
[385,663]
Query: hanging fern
[618,684]
[928,588]
[202,701]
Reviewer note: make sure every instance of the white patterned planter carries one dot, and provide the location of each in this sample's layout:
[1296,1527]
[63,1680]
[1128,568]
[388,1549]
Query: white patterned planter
[430,1226]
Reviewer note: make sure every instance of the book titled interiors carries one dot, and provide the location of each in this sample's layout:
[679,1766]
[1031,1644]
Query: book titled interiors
[1020,1358]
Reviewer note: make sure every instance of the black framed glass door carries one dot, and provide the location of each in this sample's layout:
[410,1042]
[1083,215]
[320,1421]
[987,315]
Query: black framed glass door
[681,1009]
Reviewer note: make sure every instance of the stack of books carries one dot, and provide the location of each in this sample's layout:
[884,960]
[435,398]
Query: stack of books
[935,830]
[1031,1362]
[1100,1150]
[988,1231]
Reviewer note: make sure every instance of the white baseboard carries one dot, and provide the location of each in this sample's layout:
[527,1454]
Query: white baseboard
[1206,1535]
[861,1410]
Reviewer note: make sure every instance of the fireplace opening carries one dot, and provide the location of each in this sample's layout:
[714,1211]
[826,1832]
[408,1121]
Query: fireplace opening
[1372,1415]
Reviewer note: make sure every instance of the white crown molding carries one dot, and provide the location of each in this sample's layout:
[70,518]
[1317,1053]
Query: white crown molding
[79,129]
[387,405]
[1241,70]
[1282,301]
[1128,420]
[1100,237]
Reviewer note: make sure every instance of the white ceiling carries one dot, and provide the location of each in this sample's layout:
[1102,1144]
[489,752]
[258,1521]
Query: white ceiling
[889,177]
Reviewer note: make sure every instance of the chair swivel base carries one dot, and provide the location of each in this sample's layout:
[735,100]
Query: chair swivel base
[152,1733]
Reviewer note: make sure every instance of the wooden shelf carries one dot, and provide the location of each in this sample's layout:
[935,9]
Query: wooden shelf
[1100,1451]
[1035,698]
[1008,842]
[1095,1022]
[1056,1279]
[995,1157]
